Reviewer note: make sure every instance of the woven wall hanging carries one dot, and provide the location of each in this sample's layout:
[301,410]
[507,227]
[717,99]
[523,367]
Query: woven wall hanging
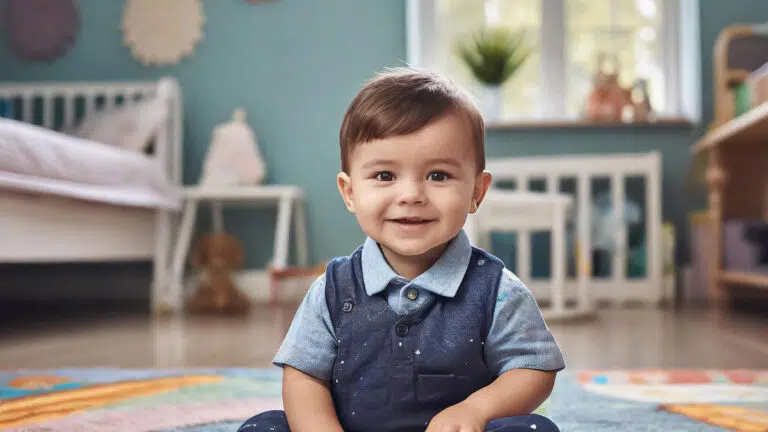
[162,32]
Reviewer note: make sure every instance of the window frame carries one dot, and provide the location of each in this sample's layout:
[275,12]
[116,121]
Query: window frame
[680,58]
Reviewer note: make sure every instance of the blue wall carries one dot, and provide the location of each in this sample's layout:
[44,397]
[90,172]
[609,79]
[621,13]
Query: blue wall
[295,65]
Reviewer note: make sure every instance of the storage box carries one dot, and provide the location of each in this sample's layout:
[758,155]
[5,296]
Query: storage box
[752,92]
[744,243]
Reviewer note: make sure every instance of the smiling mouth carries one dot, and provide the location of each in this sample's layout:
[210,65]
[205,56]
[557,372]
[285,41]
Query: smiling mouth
[412,221]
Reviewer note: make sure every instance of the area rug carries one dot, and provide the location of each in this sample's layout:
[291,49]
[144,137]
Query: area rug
[196,400]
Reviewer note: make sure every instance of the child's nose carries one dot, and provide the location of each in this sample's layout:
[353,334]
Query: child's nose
[412,192]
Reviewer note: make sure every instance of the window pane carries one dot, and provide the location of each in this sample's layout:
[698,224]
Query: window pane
[522,94]
[458,19]
[627,29]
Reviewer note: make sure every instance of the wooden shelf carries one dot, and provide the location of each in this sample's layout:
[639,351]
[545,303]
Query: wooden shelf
[750,127]
[745,278]
[736,76]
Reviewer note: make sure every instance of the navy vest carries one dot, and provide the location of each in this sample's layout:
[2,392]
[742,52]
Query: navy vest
[395,372]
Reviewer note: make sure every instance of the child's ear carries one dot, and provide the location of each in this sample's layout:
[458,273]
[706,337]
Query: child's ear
[345,189]
[482,182]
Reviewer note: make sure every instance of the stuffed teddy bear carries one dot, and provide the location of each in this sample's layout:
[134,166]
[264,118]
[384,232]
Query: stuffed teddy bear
[216,255]
[606,101]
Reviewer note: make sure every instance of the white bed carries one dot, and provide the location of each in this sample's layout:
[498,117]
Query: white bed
[65,198]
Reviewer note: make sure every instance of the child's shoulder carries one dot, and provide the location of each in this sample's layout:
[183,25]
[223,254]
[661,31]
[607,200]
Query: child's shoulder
[511,288]
[509,283]
[490,262]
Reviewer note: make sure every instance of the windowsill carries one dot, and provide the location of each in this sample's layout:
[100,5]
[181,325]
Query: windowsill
[533,124]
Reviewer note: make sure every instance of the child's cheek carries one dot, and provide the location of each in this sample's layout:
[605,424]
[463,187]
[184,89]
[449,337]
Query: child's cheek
[373,201]
[452,197]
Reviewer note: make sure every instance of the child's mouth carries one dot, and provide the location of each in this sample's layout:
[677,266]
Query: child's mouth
[412,221]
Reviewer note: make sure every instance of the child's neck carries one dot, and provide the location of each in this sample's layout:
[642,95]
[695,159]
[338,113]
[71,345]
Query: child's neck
[410,267]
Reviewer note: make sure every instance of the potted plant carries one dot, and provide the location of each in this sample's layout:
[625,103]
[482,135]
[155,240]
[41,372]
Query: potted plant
[493,55]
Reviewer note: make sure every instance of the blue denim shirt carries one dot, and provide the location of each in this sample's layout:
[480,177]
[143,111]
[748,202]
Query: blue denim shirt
[518,337]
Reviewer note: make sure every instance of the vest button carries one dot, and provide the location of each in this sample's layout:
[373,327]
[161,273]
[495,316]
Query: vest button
[412,294]
[347,306]
[402,330]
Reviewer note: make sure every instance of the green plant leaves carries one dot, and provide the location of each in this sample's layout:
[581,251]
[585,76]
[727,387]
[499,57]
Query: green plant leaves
[493,55]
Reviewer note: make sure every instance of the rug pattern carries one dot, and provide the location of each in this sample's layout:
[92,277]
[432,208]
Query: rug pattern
[196,400]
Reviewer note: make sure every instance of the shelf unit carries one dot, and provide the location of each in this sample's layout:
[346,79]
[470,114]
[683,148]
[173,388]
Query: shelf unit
[736,153]
[744,278]
[737,182]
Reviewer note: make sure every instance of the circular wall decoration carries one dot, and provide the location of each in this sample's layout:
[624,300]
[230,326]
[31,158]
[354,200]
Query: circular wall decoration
[41,30]
[162,32]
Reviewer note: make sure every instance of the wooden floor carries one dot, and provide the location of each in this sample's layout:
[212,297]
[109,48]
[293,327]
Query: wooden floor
[616,338]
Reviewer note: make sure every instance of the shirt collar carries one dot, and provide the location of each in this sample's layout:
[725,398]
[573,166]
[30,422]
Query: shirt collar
[443,278]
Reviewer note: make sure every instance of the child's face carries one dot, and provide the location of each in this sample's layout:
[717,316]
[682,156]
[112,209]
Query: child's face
[412,193]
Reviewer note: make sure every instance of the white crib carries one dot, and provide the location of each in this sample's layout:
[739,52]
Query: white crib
[46,227]
[618,287]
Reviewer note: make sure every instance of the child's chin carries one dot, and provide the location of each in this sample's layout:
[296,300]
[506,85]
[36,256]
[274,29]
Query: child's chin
[415,250]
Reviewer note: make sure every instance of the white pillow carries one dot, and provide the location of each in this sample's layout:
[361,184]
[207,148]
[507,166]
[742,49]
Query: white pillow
[130,126]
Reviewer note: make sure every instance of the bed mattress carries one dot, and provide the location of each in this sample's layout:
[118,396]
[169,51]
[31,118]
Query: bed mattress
[38,160]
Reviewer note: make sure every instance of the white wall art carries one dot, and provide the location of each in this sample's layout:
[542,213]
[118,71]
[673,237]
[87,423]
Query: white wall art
[161,33]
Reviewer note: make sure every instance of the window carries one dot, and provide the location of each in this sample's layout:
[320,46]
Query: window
[653,40]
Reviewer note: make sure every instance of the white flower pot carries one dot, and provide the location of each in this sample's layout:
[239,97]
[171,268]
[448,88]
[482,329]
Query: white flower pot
[490,102]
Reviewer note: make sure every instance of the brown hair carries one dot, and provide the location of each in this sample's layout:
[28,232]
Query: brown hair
[401,101]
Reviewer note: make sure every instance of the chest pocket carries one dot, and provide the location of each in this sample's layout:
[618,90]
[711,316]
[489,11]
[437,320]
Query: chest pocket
[442,390]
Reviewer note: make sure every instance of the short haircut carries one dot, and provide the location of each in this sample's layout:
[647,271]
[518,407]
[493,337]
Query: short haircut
[400,101]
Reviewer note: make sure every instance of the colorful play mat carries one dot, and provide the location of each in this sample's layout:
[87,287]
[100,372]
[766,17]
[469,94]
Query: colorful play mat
[193,400]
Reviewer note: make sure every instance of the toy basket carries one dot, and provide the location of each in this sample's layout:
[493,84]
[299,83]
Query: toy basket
[290,284]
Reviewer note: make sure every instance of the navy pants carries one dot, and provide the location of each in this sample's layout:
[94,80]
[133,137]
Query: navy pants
[275,421]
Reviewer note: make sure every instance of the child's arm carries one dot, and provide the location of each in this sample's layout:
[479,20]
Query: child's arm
[513,393]
[307,402]
[307,356]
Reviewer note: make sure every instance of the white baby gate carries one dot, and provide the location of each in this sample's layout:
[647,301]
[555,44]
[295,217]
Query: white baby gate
[584,288]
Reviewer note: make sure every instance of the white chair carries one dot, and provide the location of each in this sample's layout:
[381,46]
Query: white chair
[523,213]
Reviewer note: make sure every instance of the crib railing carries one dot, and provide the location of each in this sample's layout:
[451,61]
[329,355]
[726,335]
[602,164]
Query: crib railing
[583,169]
[62,105]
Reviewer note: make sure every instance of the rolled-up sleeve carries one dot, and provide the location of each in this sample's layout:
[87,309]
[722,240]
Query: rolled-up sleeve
[519,338]
[310,343]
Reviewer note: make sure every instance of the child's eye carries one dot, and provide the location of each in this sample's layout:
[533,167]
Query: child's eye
[384,176]
[438,176]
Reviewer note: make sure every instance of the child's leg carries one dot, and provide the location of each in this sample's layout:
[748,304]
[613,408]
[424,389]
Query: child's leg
[270,421]
[526,423]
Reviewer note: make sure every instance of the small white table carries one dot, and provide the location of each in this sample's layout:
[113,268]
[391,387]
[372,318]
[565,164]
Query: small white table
[289,201]
[525,213]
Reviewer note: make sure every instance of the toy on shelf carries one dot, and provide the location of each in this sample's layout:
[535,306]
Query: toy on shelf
[610,102]
[233,158]
[639,108]
[607,99]
[217,255]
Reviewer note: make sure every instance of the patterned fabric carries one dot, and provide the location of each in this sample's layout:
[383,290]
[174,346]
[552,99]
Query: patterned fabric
[220,400]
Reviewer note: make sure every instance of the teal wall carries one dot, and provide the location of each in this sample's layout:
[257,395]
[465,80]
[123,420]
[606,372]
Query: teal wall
[296,64]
